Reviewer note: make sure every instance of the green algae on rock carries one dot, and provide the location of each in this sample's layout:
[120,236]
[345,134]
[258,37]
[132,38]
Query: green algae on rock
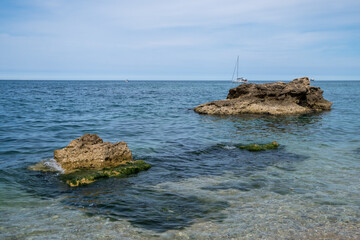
[84,177]
[261,147]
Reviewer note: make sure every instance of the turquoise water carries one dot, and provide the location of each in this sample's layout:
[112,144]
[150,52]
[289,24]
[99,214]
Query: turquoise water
[201,186]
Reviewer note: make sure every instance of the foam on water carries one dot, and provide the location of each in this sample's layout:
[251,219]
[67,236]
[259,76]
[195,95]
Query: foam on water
[229,147]
[53,164]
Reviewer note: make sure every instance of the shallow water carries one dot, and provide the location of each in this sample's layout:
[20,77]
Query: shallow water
[201,186]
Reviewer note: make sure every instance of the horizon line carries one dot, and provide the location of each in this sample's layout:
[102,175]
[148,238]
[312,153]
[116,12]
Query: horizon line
[164,80]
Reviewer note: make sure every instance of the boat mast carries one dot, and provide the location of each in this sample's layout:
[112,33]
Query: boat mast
[237,68]
[233,75]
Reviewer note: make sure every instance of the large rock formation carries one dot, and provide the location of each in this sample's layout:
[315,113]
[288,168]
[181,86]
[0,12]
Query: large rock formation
[295,97]
[90,152]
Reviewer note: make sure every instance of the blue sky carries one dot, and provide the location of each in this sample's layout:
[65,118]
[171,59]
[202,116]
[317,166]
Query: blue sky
[179,40]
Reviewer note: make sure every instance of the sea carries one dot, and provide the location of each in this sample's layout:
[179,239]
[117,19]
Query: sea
[201,186]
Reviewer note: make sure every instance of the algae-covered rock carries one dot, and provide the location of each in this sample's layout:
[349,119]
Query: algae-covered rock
[84,177]
[260,147]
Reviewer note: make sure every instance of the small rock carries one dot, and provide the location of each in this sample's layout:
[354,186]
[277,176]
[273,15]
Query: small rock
[42,166]
[262,147]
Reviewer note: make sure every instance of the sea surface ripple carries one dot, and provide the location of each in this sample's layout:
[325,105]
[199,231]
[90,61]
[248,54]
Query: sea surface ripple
[201,185]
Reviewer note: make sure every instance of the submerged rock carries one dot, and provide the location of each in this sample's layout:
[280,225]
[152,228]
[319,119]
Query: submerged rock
[277,98]
[262,147]
[88,176]
[48,165]
[90,152]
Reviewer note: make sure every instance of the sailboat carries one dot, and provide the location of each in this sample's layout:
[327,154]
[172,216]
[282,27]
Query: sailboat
[238,79]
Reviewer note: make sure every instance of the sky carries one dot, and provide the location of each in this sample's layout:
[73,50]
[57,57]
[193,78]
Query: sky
[179,40]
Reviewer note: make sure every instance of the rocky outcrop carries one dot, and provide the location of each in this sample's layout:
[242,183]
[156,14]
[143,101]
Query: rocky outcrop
[295,97]
[90,152]
[88,159]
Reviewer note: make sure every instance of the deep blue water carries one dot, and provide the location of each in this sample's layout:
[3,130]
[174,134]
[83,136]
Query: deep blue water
[198,177]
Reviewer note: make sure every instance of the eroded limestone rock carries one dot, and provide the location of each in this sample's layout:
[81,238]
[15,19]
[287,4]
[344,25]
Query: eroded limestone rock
[88,159]
[90,152]
[295,97]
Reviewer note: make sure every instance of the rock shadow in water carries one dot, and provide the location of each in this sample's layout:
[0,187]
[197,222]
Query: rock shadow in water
[153,209]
